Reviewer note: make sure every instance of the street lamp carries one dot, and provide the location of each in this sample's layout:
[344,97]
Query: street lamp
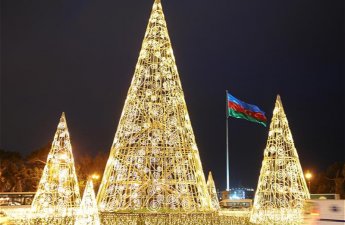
[95,176]
[308,176]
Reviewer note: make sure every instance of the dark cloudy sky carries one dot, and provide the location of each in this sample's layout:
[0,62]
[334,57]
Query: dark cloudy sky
[78,56]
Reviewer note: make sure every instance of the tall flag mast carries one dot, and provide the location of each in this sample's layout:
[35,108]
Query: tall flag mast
[227,142]
[239,109]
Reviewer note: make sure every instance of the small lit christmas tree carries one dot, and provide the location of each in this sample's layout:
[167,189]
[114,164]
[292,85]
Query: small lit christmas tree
[211,187]
[282,189]
[58,190]
[88,211]
[154,163]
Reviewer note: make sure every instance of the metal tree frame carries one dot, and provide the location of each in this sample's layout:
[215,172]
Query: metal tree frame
[211,187]
[282,189]
[88,211]
[154,163]
[58,190]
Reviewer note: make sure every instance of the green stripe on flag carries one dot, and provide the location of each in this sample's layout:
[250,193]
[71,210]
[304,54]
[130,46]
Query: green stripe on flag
[239,115]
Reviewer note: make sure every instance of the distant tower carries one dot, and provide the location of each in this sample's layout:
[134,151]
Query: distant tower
[58,190]
[154,163]
[282,189]
[211,187]
[88,211]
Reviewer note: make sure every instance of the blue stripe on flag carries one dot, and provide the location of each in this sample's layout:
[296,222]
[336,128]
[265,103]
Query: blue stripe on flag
[247,106]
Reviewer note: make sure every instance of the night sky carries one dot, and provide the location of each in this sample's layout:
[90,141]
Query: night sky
[79,57]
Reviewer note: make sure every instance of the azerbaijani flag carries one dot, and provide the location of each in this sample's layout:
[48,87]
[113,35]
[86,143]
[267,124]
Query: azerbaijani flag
[239,109]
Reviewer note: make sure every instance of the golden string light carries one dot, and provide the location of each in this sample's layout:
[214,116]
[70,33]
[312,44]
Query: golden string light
[154,163]
[154,173]
[282,189]
[58,190]
[88,211]
[211,187]
[175,219]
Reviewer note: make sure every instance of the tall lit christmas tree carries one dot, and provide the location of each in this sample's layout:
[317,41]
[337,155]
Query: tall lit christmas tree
[282,189]
[88,211]
[154,164]
[211,187]
[58,190]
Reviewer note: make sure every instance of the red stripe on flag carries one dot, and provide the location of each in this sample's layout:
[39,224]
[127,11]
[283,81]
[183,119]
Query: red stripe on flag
[238,108]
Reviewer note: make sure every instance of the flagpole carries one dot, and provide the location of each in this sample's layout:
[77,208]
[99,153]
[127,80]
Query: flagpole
[227,142]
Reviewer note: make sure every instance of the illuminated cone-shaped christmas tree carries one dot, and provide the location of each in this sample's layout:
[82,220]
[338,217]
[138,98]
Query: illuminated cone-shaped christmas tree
[154,164]
[58,190]
[211,187]
[88,211]
[282,189]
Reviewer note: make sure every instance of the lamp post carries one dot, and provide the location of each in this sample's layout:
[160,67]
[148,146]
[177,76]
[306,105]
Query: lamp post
[308,176]
[95,176]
